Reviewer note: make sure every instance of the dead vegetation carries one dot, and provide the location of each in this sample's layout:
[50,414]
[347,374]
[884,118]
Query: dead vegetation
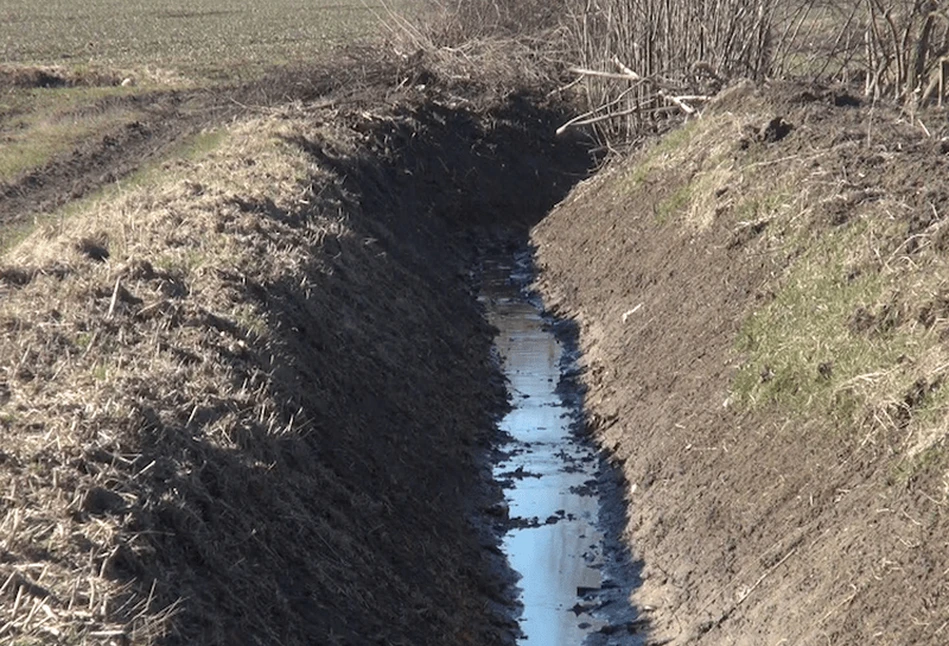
[640,58]
[240,397]
[644,61]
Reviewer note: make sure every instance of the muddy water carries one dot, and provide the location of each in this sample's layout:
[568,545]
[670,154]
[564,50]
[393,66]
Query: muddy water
[563,501]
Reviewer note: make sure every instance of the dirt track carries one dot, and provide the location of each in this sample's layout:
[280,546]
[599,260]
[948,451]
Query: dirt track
[169,117]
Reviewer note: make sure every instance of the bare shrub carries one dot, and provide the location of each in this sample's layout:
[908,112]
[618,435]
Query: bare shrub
[502,46]
[906,43]
[819,39]
[896,49]
[664,48]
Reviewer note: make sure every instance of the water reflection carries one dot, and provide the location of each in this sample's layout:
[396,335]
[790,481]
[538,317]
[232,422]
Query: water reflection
[548,475]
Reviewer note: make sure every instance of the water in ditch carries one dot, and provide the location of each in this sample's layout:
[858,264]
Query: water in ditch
[564,502]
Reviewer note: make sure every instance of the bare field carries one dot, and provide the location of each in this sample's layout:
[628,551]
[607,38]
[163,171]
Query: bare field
[208,38]
[76,80]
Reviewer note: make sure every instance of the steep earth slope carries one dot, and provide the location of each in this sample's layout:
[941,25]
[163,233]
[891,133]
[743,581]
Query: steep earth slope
[243,401]
[763,302]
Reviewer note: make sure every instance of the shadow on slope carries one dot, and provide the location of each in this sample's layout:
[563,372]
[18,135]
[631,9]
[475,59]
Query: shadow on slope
[263,426]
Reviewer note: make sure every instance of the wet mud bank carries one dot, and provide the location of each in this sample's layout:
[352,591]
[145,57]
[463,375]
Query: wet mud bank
[262,418]
[563,507]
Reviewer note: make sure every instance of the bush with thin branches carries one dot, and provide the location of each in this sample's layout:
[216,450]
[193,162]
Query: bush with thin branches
[643,60]
[662,49]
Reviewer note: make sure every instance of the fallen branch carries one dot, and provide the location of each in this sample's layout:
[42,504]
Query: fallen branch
[623,68]
[664,90]
[618,76]
[580,121]
[747,593]
[679,102]
[115,297]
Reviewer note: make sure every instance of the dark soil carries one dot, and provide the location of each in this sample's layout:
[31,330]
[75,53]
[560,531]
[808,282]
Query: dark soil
[757,525]
[312,482]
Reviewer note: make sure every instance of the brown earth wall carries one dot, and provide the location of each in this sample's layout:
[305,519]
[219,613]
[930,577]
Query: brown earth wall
[757,524]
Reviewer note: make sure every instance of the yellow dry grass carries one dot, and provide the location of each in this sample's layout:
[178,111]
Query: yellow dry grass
[74,359]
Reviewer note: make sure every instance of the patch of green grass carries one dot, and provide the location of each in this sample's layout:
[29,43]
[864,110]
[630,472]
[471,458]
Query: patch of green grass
[654,155]
[760,207]
[802,349]
[202,143]
[674,204]
[44,143]
[252,322]
[909,468]
[60,100]
[100,372]
[83,339]
[13,234]
[636,178]
[675,139]
[183,263]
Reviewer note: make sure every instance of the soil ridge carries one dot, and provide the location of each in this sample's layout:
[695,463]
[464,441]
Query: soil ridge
[754,294]
[244,403]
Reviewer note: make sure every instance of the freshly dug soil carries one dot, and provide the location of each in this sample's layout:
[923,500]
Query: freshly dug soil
[244,403]
[773,500]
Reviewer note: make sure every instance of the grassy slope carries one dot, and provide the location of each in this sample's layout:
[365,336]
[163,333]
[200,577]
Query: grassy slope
[221,423]
[777,395]
[241,396]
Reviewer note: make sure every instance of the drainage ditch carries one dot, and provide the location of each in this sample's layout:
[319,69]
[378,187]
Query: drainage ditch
[563,501]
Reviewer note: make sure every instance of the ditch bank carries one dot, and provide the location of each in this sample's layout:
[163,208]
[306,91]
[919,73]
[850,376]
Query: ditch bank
[761,302]
[246,400]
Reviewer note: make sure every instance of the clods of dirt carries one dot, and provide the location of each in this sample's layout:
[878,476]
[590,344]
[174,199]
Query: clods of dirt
[771,517]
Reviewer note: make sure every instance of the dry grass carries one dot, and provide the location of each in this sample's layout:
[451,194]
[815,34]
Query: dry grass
[229,389]
[148,400]
[503,47]
[84,299]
